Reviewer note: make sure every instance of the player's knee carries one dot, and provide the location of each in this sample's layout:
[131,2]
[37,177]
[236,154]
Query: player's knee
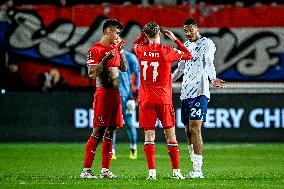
[108,134]
[149,135]
[196,124]
[128,125]
[171,139]
[170,135]
[195,129]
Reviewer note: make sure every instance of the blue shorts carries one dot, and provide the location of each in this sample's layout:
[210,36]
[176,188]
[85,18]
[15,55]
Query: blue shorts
[194,109]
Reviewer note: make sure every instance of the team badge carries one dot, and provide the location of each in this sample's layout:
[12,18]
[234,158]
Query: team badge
[101,119]
[197,104]
[90,58]
[89,55]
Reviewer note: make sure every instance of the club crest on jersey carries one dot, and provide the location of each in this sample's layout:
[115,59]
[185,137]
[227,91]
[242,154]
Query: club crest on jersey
[90,58]
[101,119]
[197,104]
[89,55]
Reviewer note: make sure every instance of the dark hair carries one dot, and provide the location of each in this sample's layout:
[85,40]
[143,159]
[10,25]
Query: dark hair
[112,23]
[190,21]
[151,29]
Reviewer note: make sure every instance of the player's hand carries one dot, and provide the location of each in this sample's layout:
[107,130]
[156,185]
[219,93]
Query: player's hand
[121,47]
[218,83]
[170,35]
[110,54]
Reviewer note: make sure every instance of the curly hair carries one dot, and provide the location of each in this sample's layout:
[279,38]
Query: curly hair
[151,29]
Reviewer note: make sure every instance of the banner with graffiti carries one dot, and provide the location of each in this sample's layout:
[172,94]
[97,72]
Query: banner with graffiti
[247,50]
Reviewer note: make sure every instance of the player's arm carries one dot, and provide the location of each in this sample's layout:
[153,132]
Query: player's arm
[179,71]
[123,64]
[209,65]
[141,39]
[95,69]
[186,55]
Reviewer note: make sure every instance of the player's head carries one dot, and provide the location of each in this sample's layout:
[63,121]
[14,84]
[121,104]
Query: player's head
[191,30]
[152,30]
[112,29]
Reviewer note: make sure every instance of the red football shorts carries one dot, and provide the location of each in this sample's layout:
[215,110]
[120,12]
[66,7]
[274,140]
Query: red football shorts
[148,114]
[107,108]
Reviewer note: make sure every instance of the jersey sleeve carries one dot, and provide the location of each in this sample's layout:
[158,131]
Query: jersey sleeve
[209,59]
[92,57]
[139,42]
[179,71]
[172,54]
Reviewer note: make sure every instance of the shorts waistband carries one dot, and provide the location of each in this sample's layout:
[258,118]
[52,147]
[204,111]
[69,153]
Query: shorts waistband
[107,89]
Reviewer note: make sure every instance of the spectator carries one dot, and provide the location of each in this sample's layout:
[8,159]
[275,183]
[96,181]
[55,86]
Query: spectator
[52,81]
[11,79]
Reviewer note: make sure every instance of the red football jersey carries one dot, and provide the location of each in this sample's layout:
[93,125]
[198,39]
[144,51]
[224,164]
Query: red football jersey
[97,53]
[155,71]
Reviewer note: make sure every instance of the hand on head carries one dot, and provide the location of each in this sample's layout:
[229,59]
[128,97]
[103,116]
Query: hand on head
[170,35]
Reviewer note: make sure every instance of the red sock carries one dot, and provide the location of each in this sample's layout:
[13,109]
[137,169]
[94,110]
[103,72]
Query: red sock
[173,151]
[106,153]
[149,149]
[91,147]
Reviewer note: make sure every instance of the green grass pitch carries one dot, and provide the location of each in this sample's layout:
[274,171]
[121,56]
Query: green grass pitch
[59,166]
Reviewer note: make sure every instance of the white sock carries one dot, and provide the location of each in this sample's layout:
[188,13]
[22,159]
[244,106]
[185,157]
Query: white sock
[197,162]
[152,172]
[86,169]
[113,151]
[133,146]
[176,171]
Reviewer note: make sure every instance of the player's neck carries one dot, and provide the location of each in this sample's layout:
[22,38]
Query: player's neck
[198,36]
[104,40]
[154,40]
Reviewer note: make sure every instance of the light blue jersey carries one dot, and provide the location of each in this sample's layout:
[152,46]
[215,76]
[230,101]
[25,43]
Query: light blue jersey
[125,88]
[125,78]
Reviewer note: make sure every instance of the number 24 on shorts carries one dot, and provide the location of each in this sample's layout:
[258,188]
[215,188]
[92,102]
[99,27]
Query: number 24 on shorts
[195,112]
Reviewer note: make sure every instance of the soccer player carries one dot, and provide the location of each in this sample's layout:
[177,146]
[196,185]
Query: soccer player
[105,60]
[155,93]
[128,103]
[195,90]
